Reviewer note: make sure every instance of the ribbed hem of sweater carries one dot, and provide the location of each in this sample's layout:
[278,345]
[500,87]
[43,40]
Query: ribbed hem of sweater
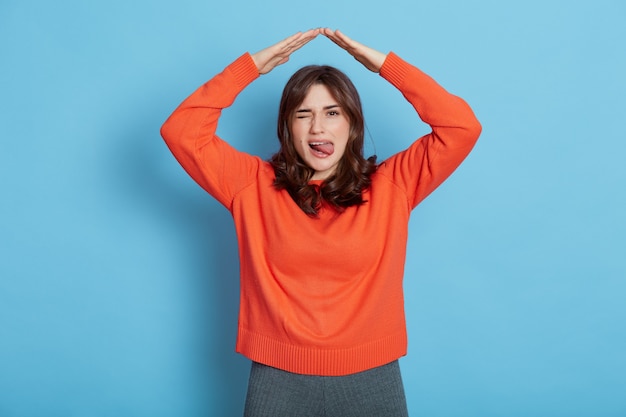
[320,361]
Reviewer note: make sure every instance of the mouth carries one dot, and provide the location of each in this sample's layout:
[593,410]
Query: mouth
[322,148]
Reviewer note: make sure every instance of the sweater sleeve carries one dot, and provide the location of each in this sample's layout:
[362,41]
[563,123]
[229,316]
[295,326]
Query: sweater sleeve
[422,167]
[190,134]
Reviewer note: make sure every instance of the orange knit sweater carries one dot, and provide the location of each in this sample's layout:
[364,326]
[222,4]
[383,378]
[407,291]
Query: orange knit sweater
[321,296]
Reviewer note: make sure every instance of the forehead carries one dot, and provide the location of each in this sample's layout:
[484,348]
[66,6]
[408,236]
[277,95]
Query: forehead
[318,95]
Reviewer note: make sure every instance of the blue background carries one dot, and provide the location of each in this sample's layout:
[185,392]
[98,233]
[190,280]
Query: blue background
[118,275]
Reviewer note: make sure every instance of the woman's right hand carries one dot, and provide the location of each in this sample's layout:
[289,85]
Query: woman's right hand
[275,55]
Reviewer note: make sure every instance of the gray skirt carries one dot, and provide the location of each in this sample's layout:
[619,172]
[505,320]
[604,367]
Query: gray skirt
[372,393]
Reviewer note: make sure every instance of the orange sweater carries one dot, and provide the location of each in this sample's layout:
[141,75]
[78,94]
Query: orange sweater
[321,296]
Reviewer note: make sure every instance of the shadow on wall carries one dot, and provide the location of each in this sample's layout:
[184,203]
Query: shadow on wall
[158,188]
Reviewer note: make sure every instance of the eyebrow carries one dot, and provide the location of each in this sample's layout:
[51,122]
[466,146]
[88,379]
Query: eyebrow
[332,106]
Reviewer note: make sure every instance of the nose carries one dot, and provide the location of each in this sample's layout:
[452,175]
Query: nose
[317,125]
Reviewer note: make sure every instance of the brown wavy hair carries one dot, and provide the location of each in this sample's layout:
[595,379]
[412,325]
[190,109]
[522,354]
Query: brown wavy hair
[344,188]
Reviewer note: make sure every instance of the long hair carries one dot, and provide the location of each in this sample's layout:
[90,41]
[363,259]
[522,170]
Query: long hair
[344,188]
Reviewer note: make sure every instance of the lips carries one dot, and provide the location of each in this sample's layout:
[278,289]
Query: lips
[322,148]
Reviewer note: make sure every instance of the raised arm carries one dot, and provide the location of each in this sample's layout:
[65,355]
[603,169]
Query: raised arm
[431,159]
[190,131]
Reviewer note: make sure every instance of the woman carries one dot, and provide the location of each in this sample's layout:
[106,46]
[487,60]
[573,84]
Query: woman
[322,231]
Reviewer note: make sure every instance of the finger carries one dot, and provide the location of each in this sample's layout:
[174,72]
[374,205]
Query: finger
[337,42]
[350,44]
[279,53]
[330,34]
[298,43]
[312,33]
[306,37]
[338,38]
[343,37]
[334,34]
[303,36]
[287,42]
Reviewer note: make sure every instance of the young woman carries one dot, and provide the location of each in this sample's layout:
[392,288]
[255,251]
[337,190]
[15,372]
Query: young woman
[322,231]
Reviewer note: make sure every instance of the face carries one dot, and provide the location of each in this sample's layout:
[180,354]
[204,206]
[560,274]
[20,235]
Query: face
[320,131]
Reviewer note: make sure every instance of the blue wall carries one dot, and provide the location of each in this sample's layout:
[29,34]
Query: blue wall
[118,275]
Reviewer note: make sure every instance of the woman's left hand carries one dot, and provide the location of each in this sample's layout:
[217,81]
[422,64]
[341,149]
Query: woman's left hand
[370,58]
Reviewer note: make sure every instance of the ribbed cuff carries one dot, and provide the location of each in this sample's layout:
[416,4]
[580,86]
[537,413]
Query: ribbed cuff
[244,70]
[394,69]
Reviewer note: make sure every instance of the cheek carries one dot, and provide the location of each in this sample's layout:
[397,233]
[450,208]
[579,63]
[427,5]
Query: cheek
[296,141]
[345,126]
[346,132]
[296,131]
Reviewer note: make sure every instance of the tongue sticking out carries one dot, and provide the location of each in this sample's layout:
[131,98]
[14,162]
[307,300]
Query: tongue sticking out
[324,147]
